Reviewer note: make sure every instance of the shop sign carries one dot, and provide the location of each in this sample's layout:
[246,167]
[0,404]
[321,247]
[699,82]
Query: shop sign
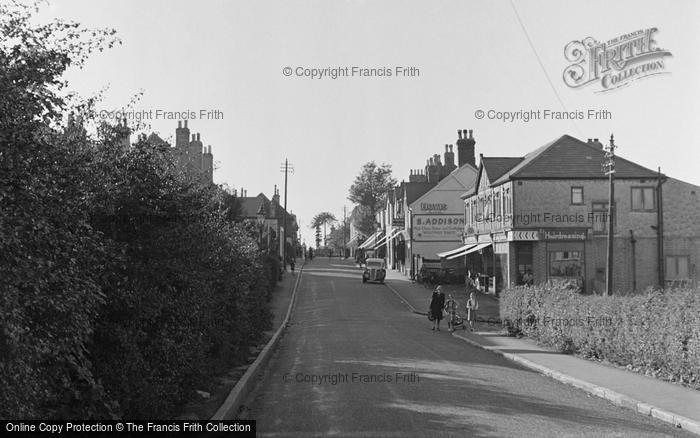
[433,207]
[524,235]
[564,234]
[447,227]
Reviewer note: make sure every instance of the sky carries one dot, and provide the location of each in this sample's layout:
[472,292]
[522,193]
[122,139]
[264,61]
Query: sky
[493,56]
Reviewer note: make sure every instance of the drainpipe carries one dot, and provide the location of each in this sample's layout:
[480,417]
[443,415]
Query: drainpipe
[410,242]
[660,230]
[634,261]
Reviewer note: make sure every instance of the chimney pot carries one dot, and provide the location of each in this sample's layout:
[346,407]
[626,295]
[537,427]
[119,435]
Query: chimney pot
[450,148]
[459,133]
[198,136]
[185,123]
[447,148]
[193,137]
[179,124]
[471,133]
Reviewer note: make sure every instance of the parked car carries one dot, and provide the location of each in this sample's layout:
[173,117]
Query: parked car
[375,270]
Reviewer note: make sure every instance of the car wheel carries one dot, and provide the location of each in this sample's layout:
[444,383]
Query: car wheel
[364,280]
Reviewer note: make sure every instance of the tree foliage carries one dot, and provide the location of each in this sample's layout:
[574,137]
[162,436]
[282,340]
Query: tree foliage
[323,220]
[367,191]
[124,284]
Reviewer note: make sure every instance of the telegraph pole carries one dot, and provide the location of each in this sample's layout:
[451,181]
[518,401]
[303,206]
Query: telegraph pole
[344,231]
[286,168]
[609,166]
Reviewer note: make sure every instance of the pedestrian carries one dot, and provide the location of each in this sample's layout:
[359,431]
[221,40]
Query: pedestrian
[437,302]
[451,309]
[472,307]
[291,263]
[311,253]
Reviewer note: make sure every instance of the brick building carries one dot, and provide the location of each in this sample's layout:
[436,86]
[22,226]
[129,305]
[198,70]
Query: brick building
[425,215]
[191,154]
[272,229]
[543,218]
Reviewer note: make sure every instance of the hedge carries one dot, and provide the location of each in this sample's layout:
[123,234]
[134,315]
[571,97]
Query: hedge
[656,332]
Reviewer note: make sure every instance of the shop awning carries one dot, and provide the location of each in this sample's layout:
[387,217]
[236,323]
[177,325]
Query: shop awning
[380,242]
[471,249]
[371,240]
[395,233]
[452,252]
[352,241]
[474,248]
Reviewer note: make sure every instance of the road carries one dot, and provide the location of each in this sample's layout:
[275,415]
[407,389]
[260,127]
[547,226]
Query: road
[355,362]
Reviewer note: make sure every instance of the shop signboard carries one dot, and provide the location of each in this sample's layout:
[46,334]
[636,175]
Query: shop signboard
[438,228]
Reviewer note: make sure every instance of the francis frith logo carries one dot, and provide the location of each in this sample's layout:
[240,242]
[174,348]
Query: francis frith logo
[616,62]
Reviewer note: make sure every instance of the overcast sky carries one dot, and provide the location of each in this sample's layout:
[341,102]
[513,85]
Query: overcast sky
[230,56]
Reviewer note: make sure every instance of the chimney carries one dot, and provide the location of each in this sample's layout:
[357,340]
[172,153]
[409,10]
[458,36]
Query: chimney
[449,165]
[465,149]
[431,171]
[198,136]
[181,135]
[597,144]
[194,137]
[276,196]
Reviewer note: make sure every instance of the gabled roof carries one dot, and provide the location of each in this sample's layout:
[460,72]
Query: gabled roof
[415,190]
[570,158]
[496,167]
[251,205]
[456,177]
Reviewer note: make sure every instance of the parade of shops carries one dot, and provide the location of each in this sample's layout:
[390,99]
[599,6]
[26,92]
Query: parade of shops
[541,218]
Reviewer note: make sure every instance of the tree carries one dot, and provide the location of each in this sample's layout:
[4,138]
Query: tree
[335,237]
[322,220]
[318,237]
[367,191]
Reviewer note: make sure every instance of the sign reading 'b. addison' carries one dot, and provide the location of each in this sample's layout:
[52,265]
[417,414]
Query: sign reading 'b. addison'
[444,227]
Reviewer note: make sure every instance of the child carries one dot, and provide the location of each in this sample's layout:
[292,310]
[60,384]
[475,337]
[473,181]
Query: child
[451,309]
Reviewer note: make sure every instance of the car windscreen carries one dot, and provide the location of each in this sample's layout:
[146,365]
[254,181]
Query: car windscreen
[374,265]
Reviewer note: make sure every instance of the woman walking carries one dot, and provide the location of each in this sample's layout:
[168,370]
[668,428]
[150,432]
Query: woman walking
[437,302]
[472,307]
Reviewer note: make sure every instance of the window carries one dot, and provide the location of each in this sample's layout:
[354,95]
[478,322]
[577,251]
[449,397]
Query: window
[497,206]
[577,195]
[566,263]
[599,217]
[643,198]
[677,268]
[506,202]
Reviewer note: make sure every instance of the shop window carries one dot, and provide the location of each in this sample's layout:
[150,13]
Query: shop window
[523,259]
[577,195]
[566,263]
[643,198]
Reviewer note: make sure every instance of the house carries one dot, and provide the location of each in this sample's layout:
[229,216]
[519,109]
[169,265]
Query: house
[425,215]
[272,228]
[543,217]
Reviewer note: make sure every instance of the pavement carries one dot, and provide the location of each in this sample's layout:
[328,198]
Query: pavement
[353,361]
[666,401]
